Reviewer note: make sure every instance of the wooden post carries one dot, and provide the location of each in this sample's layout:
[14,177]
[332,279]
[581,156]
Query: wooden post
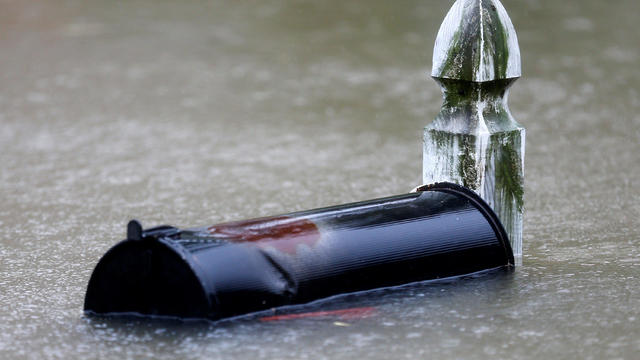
[475,141]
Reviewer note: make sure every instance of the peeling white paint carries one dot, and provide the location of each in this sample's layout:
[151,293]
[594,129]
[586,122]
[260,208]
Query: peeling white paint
[471,14]
[481,71]
[444,41]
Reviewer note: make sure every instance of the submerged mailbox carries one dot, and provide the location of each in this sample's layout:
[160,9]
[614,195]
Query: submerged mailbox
[234,268]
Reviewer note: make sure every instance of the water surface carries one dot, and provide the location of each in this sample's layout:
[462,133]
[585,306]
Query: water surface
[192,113]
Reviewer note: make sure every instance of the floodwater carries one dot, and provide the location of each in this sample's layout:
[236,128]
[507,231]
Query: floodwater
[192,113]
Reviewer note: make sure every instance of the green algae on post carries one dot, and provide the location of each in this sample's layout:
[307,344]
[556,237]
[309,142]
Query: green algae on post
[476,42]
[475,141]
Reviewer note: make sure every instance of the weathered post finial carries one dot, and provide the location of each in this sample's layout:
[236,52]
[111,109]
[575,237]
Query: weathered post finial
[475,141]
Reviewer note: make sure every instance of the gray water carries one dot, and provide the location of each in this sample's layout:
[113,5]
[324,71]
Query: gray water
[192,113]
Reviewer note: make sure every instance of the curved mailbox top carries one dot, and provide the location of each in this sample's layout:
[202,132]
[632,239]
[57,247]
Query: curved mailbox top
[239,267]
